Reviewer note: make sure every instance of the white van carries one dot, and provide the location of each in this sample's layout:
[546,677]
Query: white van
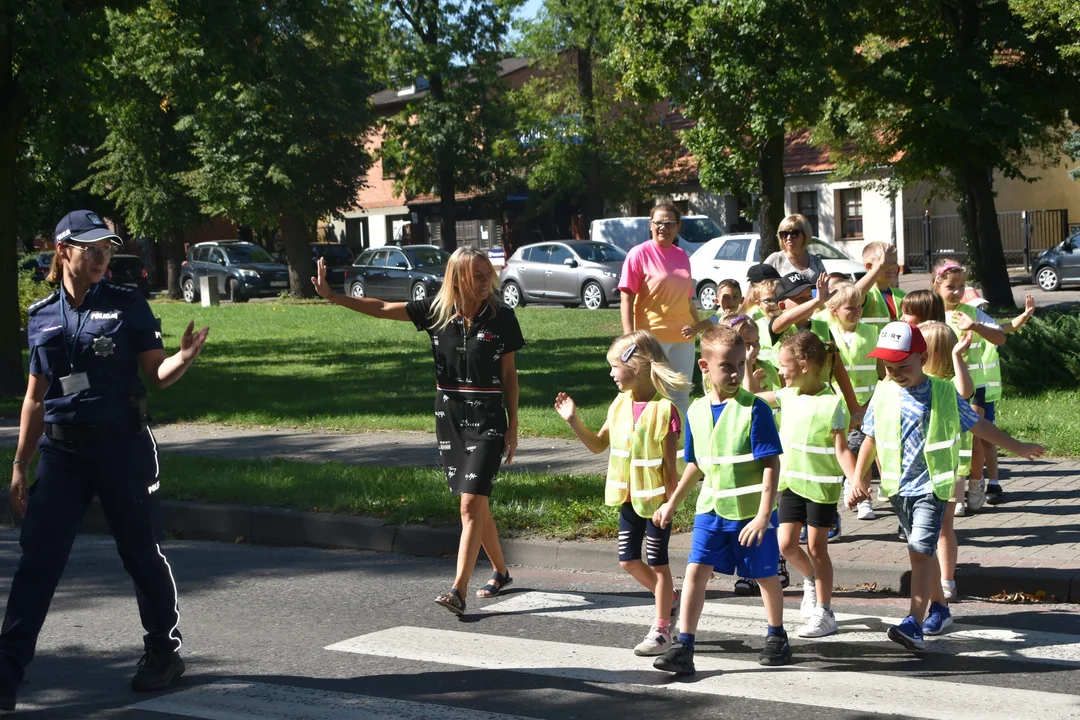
[626,232]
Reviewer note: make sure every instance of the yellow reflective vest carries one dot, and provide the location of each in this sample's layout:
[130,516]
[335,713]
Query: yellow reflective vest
[636,460]
[974,355]
[861,370]
[809,466]
[875,310]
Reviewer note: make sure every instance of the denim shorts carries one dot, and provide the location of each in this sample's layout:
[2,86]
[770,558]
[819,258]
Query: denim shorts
[921,517]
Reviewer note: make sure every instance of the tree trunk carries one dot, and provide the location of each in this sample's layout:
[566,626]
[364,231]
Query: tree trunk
[13,109]
[296,235]
[594,193]
[771,213]
[448,203]
[174,261]
[979,216]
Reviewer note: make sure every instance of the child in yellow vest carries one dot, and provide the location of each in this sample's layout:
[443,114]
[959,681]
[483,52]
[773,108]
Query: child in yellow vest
[816,459]
[642,431]
[944,360]
[728,300]
[920,306]
[854,340]
[949,281]
[914,422]
[761,306]
[881,304]
[731,439]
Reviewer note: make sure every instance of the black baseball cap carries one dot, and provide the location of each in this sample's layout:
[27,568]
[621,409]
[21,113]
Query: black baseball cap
[791,285]
[84,226]
[760,272]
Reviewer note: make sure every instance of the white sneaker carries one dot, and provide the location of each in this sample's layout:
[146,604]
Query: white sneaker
[976,494]
[866,510]
[881,497]
[809,598]
[821,623]
[656,642]
[948,589]
[960,510]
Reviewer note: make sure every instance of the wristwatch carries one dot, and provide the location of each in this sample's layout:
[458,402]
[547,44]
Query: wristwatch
[20,462]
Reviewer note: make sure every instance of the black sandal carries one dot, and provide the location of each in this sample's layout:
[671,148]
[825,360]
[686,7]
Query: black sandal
[452,601]
[492,590]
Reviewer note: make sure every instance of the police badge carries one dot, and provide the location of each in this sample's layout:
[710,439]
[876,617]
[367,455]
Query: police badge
[104,346]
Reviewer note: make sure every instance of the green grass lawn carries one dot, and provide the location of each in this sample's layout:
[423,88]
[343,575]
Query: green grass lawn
[553,506]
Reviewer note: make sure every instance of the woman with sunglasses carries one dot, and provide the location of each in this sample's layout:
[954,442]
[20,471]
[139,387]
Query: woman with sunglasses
[794,235]
[657,295]
[87,407]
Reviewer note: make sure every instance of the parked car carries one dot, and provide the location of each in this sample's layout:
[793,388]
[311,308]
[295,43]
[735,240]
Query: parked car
[571,272]
[730,256]
[244,270]
[37,264]
[129,270]
[338,259]
[626,232]
[1058,265]
[412,272]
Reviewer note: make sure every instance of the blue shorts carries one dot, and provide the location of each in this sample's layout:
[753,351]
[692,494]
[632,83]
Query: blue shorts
[980,401]
[921,518]
[715,542]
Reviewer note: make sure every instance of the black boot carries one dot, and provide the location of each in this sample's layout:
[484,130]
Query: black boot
[157,671]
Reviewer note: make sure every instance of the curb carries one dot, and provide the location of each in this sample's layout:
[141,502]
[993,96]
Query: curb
[297,528]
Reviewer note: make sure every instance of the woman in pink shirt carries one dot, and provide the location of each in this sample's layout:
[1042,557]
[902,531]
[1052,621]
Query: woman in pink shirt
[658,294]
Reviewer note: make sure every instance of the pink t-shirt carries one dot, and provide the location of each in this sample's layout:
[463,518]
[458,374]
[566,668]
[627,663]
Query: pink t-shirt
[660,280]
[673,429]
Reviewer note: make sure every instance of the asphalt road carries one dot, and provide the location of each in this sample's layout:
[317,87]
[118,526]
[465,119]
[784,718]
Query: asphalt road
[310,634]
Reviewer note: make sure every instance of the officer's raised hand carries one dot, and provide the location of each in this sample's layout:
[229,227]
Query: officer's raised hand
[191,344]
[321,286]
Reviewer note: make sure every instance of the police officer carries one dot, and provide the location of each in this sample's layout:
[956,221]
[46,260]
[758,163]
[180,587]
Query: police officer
[86,405]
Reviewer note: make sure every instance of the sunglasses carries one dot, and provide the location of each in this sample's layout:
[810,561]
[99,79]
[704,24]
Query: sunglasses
[785,234]
[771,301]
[664,224]
[94,252]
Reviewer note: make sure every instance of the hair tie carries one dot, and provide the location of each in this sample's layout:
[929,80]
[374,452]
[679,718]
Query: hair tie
[628,353]
[736,319]
[947,266]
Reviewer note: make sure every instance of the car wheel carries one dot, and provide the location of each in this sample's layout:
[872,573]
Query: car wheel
[357,290]
[593,296]
[706,296]
[419,291]
[511,294]
[1047,278]
[235,293]
[187,289]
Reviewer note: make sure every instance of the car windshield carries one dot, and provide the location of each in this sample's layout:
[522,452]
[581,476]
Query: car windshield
[698,230]
[246,254]
[426,257]
[825,252]
[334,253]
[598,252]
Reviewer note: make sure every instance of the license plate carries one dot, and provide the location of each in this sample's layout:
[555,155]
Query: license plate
[279,283]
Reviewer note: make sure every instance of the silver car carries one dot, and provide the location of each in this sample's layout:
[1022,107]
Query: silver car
[571,272]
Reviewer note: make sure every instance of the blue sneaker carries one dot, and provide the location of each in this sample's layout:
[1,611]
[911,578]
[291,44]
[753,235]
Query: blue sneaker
[834,531]
[937,620]
[908,633]
[802,535]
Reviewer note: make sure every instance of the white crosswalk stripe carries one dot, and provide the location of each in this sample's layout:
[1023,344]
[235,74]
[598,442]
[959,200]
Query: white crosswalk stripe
[228,700]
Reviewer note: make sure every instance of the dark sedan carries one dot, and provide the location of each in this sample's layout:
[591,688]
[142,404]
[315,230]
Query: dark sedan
[37,264]
[129,270]
[412,272]
[338,259]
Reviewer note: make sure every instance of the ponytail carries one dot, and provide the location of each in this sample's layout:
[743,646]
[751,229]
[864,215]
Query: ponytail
[641,351]
[56,269]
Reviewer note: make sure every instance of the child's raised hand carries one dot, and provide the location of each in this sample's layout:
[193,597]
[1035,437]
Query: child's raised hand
[1029,304]
[752,353]
[963,343]
[822,285]
[962,321]
[1031,450]
[753,532]
[564,405]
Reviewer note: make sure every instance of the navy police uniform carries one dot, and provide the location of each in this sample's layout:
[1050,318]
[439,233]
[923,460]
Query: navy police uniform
[470,416]
[96,442]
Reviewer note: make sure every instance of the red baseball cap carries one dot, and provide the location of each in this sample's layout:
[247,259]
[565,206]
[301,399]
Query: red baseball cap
[897,341]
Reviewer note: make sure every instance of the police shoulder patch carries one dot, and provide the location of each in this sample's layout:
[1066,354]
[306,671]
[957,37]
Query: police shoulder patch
[51,298]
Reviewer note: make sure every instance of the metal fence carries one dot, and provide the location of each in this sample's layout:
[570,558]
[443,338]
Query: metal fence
[1024,234]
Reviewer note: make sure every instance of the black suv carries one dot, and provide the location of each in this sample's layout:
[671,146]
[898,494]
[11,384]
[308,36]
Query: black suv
[338,259]
[244,270]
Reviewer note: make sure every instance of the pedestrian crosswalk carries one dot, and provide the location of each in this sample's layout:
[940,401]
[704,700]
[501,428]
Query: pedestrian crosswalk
[602,660]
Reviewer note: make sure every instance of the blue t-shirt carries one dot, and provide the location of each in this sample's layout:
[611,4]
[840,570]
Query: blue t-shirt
[764,442]
[914,420]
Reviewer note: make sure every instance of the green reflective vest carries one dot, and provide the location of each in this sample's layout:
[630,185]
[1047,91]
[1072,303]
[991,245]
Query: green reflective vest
[733,478]
[636,460]
[809,466]
[861,370]
[769,349]
[942,446]
[973,356]
[991,367]
[875,310]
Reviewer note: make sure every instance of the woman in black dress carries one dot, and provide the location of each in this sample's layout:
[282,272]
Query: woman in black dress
[473,340]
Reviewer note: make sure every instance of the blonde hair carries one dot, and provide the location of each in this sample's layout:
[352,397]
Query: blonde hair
[844,294]
[923,305]
[808,347]
[720,336]
[796,221]
[757,291]
[644,353]
[458,282]
[56,269]
[940,341]
[872,251]
[946,268]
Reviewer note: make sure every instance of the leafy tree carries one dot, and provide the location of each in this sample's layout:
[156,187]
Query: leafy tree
[581,141]
[948,92]
[444,141]
[745,71]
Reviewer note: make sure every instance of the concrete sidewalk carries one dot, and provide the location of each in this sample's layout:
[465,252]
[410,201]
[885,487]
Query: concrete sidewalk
[1029,543]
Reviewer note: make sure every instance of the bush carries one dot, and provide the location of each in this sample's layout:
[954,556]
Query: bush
[29,293]
[1045,355]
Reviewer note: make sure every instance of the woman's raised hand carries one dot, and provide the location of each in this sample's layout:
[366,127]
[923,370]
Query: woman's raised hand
[321,286]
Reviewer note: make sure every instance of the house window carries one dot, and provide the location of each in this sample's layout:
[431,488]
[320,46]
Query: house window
[851,214]
[806,204]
